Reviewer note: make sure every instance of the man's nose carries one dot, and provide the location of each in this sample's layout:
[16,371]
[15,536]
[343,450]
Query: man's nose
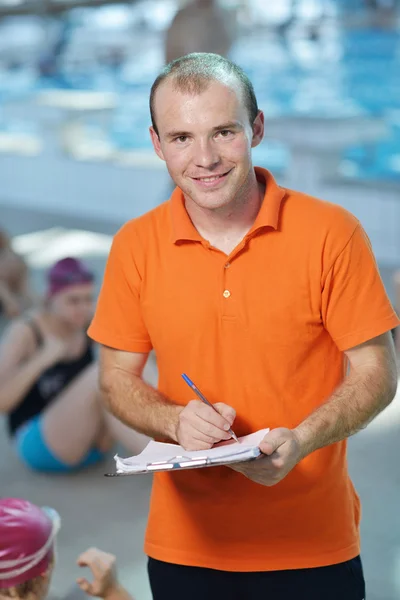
[206,154]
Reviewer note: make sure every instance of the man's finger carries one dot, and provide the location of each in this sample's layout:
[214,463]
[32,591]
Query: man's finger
[201,436]
[209,431]
[212,416]
[207,421]
[238,467]
[198,434]
[201,444]
[268,447]
[226,411]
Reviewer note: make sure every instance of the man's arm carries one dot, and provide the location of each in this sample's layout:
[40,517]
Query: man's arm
[195,426]
[132,400]
[396,283]
[367,389]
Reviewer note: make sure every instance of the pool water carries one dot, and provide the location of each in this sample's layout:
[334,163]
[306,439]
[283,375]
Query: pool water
[345,72]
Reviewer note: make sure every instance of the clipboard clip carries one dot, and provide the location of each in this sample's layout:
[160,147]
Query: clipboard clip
[177,462]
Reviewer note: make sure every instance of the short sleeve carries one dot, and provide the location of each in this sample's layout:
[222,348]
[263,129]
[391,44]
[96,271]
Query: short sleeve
[355,306]
[118,321]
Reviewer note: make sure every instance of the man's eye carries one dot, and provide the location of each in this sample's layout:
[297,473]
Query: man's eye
[181,139]
[224,132]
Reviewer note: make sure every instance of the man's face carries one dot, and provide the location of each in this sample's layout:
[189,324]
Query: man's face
[206,142]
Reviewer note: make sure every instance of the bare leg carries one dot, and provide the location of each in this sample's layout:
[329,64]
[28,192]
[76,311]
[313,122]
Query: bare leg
[132,441]
[73,422]
[77,421]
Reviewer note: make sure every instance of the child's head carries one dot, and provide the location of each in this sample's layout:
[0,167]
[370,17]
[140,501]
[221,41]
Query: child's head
[27,537]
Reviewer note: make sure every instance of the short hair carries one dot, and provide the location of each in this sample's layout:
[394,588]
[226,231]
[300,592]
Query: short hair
[194,72]
[25,589]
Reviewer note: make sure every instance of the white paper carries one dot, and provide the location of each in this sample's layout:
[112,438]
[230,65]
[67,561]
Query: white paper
[157,452]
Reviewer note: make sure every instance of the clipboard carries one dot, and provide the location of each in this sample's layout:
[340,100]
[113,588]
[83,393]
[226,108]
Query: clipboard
[159,457]
[186,462]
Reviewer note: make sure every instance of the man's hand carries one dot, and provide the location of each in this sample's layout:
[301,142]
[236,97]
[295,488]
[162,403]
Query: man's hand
[200,427]
[282,452]
[103,566]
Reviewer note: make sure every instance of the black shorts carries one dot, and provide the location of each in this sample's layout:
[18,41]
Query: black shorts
[343,581]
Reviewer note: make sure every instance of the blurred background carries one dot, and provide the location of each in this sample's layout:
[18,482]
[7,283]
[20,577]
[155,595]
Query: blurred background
[76,162]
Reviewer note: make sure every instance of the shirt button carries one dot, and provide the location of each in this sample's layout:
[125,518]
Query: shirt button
[226,294]
[227,265]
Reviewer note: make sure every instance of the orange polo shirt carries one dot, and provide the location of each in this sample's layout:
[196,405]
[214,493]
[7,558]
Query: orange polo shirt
[263,330]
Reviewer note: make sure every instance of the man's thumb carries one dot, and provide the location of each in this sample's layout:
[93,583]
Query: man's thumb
[271,442]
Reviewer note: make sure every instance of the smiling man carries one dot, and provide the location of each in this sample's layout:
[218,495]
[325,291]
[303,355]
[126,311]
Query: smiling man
[272,302]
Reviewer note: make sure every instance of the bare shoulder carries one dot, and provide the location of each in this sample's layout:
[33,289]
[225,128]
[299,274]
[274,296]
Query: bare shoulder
[19,335]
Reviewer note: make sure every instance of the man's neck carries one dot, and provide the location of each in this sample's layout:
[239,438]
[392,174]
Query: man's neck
[225,228]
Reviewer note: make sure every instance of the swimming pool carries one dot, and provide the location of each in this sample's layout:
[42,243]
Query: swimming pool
[345,72]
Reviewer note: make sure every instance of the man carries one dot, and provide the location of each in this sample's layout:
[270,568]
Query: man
[262,296]
[200,26]
[396,333]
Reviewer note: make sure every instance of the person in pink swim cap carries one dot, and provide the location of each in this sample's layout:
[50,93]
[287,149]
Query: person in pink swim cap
[27,555]
[49,380]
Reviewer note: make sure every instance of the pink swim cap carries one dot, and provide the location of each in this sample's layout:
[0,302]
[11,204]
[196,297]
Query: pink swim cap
[27,535]
[67,272]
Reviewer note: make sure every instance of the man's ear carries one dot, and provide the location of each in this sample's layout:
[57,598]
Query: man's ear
[258,129]
[156,143]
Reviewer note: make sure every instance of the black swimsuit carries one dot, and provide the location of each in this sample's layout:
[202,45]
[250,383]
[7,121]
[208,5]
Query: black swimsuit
[50,383]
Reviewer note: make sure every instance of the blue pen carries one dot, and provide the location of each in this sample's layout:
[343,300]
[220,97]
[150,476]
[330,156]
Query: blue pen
[204,399]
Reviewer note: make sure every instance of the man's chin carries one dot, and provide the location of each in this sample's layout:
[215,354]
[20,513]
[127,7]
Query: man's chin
[210,201]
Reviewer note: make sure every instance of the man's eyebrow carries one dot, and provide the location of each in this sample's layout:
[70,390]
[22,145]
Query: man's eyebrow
[228,125]
[175,134]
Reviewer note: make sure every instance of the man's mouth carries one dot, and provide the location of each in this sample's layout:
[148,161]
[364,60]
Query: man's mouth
[212,178]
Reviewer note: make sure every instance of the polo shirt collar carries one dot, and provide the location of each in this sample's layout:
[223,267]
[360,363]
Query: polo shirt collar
[268,216]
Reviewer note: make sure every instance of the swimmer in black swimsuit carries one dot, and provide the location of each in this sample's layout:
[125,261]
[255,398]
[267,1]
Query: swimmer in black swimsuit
[49,380]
